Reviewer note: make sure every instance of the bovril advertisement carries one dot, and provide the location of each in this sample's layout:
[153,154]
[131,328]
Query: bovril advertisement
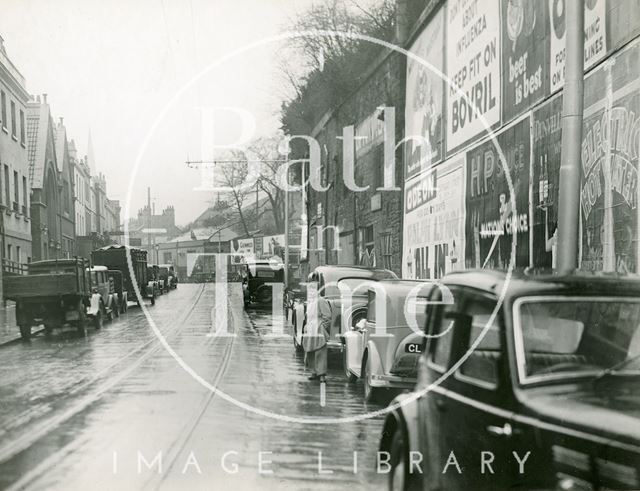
[434,221]
[473,68]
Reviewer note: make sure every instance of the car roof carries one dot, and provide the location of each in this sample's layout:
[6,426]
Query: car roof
[519,283]
[402,287]
[336,272]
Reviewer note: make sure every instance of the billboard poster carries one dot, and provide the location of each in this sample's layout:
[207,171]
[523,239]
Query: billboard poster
[424,99]
[525,52]
[242,247]
[547,148]
[609,188]
[494,215]
[273,245]
[595,39]
[473,68]
[433,231]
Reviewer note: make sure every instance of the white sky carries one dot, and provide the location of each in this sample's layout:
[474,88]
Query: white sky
[111,66]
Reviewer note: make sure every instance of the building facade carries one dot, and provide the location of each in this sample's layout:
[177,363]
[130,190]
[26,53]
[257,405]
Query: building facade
[15,214]
[52,225]
[65,184]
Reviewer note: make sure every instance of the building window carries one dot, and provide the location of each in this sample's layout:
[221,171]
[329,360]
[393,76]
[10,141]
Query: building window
[7,187]
[65,197]
[9,252]
[18,253]
[22,131]
[25,206]
[16,191]
[167,257]
[14,126]
[3,103]
[366,244]
[385,250]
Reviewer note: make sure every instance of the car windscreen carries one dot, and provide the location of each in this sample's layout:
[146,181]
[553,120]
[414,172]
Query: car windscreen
[559,337]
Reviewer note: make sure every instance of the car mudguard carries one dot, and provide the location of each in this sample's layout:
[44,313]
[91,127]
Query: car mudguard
[374,359]
[94,304]
[352,346]
[403,415]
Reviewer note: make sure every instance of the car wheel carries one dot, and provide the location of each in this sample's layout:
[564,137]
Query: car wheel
[25,331]
[345,366]
[398,457]
[370,393]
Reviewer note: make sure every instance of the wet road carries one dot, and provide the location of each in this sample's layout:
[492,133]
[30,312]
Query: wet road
[116,410]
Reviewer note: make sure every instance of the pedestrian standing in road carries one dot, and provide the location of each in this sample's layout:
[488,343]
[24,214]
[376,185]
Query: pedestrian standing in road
[315,339]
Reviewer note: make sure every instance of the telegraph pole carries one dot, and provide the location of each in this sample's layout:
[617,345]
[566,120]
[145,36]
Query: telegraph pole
[572,107]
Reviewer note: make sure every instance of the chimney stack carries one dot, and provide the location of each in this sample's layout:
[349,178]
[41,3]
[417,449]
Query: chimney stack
[61,120]
[44,98]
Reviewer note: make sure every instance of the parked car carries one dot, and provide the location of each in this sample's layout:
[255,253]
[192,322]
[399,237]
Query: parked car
[258,279]
[163,278]
[383,348]
[53,293]
[117,257]
[106,306]
[117,282]
[168,271]
[153,281]
[327,279]
[548,389]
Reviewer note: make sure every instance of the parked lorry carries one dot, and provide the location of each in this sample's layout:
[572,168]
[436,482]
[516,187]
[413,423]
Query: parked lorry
[114,257]
[54,293]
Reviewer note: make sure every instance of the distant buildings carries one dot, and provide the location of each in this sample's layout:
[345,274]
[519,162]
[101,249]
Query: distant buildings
[52,204]
[149,229]
[14,164]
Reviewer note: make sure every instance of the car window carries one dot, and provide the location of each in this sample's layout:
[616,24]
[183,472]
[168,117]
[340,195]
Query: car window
[482,363]
[442,336]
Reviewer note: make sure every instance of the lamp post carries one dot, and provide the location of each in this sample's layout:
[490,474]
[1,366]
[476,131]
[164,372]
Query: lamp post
[285,148]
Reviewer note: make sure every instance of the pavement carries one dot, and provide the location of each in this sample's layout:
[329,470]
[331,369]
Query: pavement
[122,409]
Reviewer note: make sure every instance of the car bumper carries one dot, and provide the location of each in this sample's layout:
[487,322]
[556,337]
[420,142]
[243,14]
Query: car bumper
[392,381]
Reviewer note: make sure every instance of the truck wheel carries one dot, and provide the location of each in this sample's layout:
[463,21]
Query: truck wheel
[97,320]
[81,324]
[48,329]
[25,331]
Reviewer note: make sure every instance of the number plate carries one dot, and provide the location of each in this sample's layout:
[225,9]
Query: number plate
[413,348]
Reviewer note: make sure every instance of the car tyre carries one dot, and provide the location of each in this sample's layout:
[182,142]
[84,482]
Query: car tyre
[371,394]
[351,378]
[25,332]
[399,478]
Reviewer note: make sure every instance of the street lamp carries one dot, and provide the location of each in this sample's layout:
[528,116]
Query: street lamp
[284,148]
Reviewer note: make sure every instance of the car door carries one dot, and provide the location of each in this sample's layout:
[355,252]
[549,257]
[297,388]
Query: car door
[478,422]
[431,403]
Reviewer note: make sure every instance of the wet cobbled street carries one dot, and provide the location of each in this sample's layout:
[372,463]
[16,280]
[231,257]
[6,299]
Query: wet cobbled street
[120,409]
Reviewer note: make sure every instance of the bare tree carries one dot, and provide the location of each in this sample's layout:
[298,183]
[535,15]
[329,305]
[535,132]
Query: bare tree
[234,175]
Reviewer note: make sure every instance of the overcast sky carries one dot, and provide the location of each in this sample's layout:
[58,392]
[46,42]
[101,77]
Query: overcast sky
[112,66]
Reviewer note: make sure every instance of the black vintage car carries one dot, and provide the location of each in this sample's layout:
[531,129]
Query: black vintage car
[258,278]
[538,391]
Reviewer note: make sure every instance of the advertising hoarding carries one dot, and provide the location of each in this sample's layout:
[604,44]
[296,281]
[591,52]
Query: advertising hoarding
[425,99]
[473,66]
[433,231]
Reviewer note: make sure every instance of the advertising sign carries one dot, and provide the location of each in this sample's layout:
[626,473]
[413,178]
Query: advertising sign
[609,188]
[525,52]
[273,245]
[495,215]
[595,39]
[242,247]
[547,147]
[473,67]
[425,96]
[434,221]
